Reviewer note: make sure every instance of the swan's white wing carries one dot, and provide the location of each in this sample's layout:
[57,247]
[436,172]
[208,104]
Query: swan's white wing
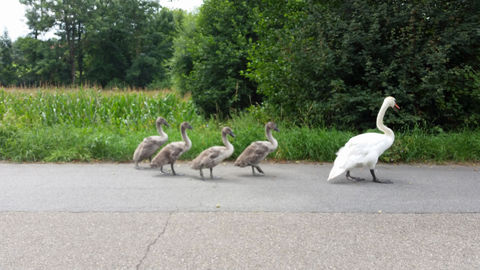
[361,150]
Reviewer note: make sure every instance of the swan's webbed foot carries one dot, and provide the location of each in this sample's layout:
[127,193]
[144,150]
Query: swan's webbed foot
[382,181]
[376,180]
[354,179]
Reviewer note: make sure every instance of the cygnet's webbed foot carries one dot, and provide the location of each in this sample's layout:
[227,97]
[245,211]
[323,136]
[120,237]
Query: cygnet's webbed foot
[354,179]
[173,170]
[376,180]
[258,169]
[163,172]
[201,175]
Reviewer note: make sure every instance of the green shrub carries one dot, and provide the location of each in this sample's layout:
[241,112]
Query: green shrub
[331,63]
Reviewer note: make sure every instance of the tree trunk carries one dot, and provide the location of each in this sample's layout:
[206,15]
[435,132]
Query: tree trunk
[80,53]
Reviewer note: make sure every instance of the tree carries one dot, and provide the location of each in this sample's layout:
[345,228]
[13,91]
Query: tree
[7,72]
[124,42]
[38,18]
[39,62]
[217,57]
[157,47]
[70,17]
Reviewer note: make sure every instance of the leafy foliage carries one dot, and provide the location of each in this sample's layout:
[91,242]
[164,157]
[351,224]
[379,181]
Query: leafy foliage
[211,56]
[332,63]
[310,63]
[7,72]
[107,43]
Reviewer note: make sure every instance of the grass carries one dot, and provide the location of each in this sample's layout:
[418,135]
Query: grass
[64,125]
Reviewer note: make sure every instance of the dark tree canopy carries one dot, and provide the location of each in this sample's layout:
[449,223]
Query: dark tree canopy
[331,63]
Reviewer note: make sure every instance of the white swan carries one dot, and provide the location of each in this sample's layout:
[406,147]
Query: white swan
[150,145]
[257,151]
[212,156]
[172,151]
[364,150]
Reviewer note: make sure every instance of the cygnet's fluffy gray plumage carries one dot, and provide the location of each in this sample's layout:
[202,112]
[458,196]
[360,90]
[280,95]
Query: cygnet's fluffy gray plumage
[151,144]
[212,156]
[172,151]
[257,151]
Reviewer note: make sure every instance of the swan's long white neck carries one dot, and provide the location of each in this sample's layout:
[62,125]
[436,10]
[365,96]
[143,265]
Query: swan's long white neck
[388,132]
[268,133]
[160,131]
[226,142]
[188,142]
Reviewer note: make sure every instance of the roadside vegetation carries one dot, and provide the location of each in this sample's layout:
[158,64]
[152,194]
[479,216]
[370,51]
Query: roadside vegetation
[63,125]
[320,69]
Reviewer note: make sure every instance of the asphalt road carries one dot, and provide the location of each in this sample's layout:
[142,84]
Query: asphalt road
[285,188]
[111,216]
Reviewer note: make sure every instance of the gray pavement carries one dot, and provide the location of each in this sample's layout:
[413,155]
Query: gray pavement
[285,188]
[111,216]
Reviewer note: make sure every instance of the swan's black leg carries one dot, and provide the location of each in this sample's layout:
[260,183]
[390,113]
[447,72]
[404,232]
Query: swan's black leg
[259,170]
[354,179]
[136,165]
[376,180]
[173,170]
[253,170]
[161,169]
[201,174]
[211,173]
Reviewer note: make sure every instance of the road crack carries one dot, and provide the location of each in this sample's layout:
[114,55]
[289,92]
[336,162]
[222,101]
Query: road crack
[150,245]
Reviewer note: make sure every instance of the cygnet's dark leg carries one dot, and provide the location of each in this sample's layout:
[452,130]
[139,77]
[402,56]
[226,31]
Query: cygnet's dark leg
[376,180]
[173,170]
[211,173]
[259,170]
[354,179]
[201,174]
[161,169]
[136,165]
[253,170]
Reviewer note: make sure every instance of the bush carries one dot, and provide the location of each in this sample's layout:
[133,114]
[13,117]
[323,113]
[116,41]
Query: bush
[331,64]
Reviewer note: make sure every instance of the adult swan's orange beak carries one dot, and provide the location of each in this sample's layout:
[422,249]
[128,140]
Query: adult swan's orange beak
[396,106]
